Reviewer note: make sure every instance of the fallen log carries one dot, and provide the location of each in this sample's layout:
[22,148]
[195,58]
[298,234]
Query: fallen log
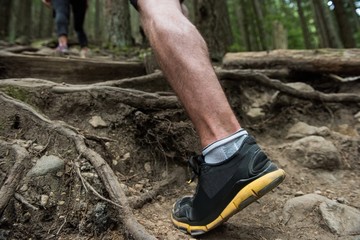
[59,69]
[335,61]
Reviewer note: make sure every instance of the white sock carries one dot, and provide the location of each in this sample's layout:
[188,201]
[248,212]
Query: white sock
[224,148]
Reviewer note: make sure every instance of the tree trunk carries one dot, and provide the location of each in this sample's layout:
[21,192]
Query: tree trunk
[325,24]
[213,22]
[5,10]
[239,12]
[279,36]
[354,14]
[118,23]
[25,21]
[345,27]
[259,18]
[319,22]
[246,25]
[304,26]
[97,28]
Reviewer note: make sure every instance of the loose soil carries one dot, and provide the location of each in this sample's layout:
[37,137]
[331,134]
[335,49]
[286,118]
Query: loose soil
[149,145]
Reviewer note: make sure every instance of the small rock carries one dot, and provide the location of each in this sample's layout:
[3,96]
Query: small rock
[97,122]
[44,200]
[314,152]
[132,190]
[299,193]
[125,157]
[138,187]
[60,203]
[330,191]
[341,219]
[24,188]
[255,113]
[297,209]
[164,174]
[357,116]
[147,167]
[38,148]
[318,192]
[88,175]
[342,200]
[26,217]
[46,164]
[59,174]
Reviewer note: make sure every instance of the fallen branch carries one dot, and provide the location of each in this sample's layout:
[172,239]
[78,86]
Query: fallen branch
[21,199]
[14,177]
[106,174]
[138,202]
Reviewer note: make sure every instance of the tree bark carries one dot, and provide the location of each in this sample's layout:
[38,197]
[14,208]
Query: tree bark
[118,23]
[71,70]
[25,21]
[5,11]
[344,63]
[259,18]
[304,25]
[330,37]
[279,36]
[213,22]
[345,26]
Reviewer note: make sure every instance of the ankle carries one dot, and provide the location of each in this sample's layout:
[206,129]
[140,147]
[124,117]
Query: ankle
[223,149]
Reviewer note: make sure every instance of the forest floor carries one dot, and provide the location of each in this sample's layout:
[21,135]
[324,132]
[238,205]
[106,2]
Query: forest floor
[146,137]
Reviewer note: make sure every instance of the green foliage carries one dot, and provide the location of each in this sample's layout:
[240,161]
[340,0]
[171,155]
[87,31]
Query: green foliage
[17,93]
[244,21]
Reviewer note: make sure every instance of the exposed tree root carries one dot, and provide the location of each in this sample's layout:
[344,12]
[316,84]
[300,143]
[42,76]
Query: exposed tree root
[131,97]
[141,99]
[15,174]
[105,172]
[139,202]
[237,75]
[25,202]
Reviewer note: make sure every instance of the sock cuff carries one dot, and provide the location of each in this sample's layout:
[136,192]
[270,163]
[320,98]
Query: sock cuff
[223,141]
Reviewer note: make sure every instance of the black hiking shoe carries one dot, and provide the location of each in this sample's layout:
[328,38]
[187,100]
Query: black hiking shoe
[226,188]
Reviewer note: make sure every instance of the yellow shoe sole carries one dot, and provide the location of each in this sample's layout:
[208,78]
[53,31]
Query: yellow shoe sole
[247,195]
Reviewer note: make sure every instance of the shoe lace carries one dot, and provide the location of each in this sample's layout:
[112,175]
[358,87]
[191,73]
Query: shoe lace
[194,164]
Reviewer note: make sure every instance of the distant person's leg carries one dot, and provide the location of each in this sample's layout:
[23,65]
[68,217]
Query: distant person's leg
[62,15]
[79,8]
[233,171]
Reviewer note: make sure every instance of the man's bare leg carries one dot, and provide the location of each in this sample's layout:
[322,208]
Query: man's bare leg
[183,56]
[233,171]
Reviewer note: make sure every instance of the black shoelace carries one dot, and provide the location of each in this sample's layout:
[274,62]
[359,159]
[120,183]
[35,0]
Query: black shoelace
[194,164]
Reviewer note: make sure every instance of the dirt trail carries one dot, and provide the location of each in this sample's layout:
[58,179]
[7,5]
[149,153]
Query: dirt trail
[146,138]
